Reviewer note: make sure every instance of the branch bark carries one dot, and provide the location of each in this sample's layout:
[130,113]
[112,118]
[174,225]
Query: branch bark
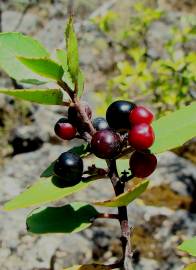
[123,217]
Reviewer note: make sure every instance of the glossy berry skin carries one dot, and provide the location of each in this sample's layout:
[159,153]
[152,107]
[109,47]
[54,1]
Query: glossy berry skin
[69,167]
[141,136]
[106,144]
[64,129]
[100,123]
[117,114]
[73,115]
[140,115]
[142,164]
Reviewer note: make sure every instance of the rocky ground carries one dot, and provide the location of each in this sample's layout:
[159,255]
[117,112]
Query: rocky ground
[161,219]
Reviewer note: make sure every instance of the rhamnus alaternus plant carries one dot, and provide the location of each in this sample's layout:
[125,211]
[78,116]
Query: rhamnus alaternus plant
[123,145]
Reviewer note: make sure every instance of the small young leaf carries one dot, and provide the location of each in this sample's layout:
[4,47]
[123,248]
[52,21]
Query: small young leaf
[43,191]
[41,96]
[70,218]
[174,129]
[125,198]
[17,44]
[89,267]
[43,67]
[190,267]
[72,50]
[62,58]
[189,246]
[80,83]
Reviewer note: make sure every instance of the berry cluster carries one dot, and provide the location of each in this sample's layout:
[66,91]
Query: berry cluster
[125,124]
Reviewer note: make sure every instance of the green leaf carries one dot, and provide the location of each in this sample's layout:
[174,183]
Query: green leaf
[189,246]
[89,267]
[16,44]
[174,129]
[72,50]
[80,83]
[43,191]
[70,218]
[81,150]
[41,96]
[62,58]
[33,82]
[190,267]
[125,198]
[44,67]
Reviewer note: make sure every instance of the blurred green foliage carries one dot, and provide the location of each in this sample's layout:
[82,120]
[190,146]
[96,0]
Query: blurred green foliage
[168,81]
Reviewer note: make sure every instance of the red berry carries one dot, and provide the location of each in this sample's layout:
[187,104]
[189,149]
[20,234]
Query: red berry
[106,144]
[64,129]
[142,164]
[141,136]
[140,115]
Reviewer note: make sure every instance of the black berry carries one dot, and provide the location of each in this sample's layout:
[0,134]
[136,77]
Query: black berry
[69,167]
[117,114]
[142,164]
[100,123]
[106,144]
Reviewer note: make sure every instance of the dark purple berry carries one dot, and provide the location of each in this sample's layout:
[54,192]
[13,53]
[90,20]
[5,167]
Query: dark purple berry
[142,164]
[106,144]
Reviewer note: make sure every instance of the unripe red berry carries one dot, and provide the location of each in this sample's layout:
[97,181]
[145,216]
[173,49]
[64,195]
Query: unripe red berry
[106,144]
[117,114]
[69,168]
[142,164]
[140,115]
[64,129]
[141,136]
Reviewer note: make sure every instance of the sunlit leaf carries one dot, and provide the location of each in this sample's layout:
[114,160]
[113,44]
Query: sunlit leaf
[45,190]
[41,96]
[72,50]
[80,83]
[70,218]
[189,246]
[174,129]
[17,44]
[127,197]
[43,67]
[62,58]
[190,267]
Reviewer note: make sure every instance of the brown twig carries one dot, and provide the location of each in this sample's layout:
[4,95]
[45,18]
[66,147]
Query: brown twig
[123,217]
